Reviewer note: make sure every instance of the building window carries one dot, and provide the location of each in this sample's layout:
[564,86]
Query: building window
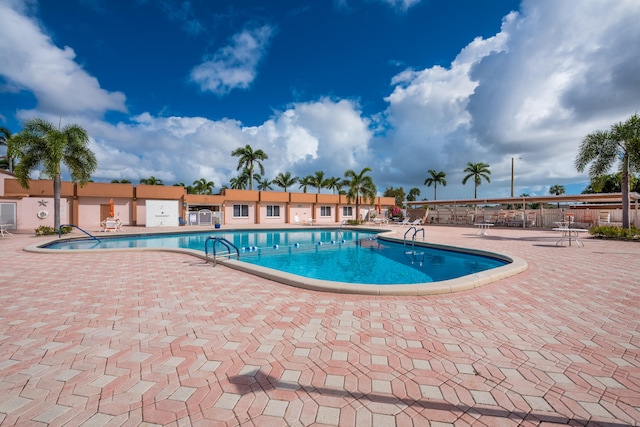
[347,211]
[325,211]
[241,211]
[273,210]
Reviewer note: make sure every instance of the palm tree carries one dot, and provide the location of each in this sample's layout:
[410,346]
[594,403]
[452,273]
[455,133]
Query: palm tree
[604,148]
[557,190]
[413,194]
[248,159]
[152,180]
[264,184]
[477,171]
[607,183]
[285,180]
[5,137]
[334,184]
[187,188]
[202,186]
[241,181]
[360,184]
[40,143]
[317,180]
[305,182]
[435,179]
[120,181]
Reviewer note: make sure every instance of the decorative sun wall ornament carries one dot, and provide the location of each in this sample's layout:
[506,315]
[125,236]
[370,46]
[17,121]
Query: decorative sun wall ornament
[43,202]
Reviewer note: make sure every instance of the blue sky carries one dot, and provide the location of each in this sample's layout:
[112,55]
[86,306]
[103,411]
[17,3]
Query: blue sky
[169,88]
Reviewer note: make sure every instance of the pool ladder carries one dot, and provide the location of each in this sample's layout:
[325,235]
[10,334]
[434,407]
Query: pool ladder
[224,242]
[416,230]
[339,233]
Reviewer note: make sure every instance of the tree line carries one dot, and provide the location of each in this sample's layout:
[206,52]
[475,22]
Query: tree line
[40,143]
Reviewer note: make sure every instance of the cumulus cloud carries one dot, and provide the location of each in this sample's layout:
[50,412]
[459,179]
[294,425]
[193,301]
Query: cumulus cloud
[234,66]
[31,62]
[325,135]
[553,74]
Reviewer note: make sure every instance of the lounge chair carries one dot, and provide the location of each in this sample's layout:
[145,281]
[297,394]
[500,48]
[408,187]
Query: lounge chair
[111,224]
[416,222]
[311,221]
[404,222]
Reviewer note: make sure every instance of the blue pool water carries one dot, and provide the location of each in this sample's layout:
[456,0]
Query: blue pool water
[336,255]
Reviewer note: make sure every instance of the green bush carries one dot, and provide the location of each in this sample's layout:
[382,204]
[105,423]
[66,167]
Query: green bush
[613,232]
[45,230]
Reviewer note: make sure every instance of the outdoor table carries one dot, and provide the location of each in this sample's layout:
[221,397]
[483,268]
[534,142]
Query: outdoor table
[483,228]
[570,234]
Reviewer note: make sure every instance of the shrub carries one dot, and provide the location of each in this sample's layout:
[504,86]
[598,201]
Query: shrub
[45,230]
[613,232]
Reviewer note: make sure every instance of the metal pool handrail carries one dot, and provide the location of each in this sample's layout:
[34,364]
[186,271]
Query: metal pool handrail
[227,244]
[75,226]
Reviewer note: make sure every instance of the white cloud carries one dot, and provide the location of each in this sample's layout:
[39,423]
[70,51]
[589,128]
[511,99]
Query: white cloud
[553,74]
[234,66]
[325,135]
[31,62]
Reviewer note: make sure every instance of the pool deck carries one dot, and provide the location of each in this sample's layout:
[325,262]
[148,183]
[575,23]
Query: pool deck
[160,338]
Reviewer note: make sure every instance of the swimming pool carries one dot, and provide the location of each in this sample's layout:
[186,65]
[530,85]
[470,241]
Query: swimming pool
[327,259]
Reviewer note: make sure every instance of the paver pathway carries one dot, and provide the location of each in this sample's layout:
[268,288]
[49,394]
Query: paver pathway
[162,339]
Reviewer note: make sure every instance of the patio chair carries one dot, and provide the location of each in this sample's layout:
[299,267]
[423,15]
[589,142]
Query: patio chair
[531,219]
[570,218]
[604,218]
[502,218]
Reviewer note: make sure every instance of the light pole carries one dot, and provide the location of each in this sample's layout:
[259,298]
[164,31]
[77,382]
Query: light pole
[512,177]
[512,159]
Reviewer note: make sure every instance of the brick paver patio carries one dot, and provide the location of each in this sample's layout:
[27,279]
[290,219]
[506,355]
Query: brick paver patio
[158,338]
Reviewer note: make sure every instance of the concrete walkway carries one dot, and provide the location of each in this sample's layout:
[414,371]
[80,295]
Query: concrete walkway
[155,338]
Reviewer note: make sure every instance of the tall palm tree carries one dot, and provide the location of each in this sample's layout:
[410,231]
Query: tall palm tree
[360,184]
[477,171]
[285,180]
[202,186]
[435,179]
[317,180]
[304,183]
[602,149]
[5,137]
[247,158]
[334,184]
[152,180]
[40,143]
[557,190]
